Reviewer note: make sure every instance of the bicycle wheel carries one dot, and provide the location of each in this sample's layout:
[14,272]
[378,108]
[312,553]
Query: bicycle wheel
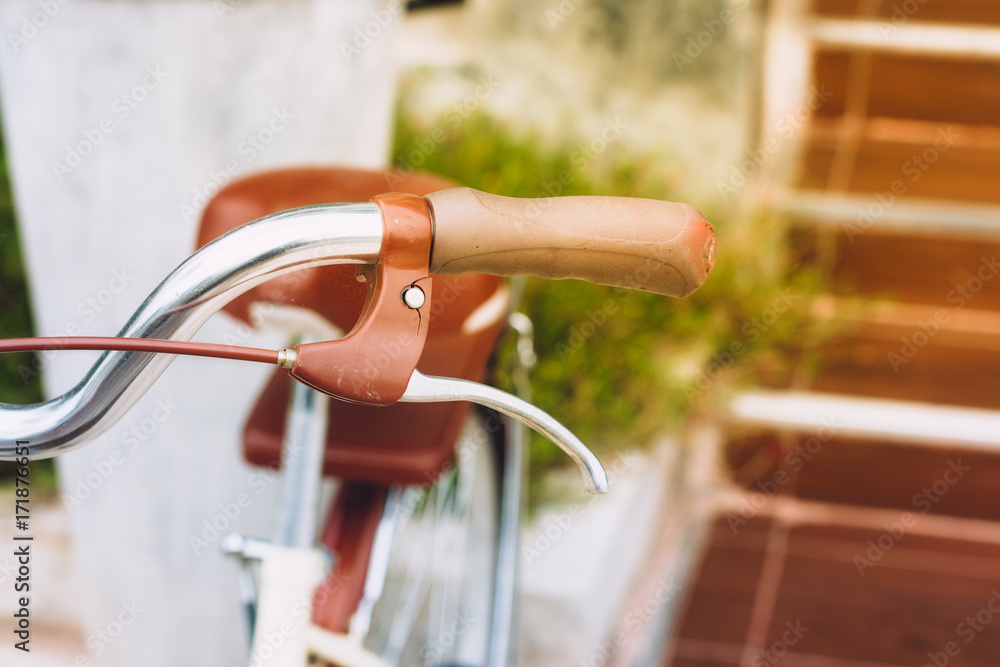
[430,590]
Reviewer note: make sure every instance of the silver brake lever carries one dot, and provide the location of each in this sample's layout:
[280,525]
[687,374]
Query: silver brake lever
[432,389]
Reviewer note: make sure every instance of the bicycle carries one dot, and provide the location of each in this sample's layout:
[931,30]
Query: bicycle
[377,590]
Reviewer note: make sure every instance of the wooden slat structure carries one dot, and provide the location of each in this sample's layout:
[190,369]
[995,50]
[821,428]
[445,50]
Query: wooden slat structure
[868,497]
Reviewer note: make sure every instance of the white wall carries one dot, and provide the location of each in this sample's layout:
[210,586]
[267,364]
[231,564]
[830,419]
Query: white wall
[199,78]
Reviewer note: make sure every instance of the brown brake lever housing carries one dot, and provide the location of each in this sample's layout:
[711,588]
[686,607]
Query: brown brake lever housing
[373,363]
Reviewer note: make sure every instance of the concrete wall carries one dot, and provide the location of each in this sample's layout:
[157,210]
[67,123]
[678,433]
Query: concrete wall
[120,117]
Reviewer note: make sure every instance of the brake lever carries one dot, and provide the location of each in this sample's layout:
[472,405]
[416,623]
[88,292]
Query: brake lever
[433,389]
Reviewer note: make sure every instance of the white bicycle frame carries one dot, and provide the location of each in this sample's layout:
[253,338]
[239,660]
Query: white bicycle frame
[289,575]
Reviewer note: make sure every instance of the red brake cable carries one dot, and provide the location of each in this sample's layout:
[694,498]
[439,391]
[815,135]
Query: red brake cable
[142,345]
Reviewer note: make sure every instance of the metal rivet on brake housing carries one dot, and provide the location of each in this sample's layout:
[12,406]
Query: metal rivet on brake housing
[414,297]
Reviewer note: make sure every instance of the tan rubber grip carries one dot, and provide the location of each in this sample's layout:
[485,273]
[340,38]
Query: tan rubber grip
[636,243]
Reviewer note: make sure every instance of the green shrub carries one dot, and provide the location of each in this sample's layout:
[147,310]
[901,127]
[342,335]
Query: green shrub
[15,321]
[15,310]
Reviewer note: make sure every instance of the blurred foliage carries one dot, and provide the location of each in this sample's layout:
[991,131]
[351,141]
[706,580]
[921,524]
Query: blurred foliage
[703,41]
[663,37]
[15,321]
[15,311]
[619,366]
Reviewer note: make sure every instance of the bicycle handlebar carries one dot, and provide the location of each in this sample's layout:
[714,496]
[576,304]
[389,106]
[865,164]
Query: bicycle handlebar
[641,244]
[193,292]
[662,247]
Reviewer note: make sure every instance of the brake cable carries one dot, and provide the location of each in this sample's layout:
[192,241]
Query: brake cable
[104,343]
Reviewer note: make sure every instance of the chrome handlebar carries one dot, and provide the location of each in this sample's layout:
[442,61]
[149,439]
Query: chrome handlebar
[210,278]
